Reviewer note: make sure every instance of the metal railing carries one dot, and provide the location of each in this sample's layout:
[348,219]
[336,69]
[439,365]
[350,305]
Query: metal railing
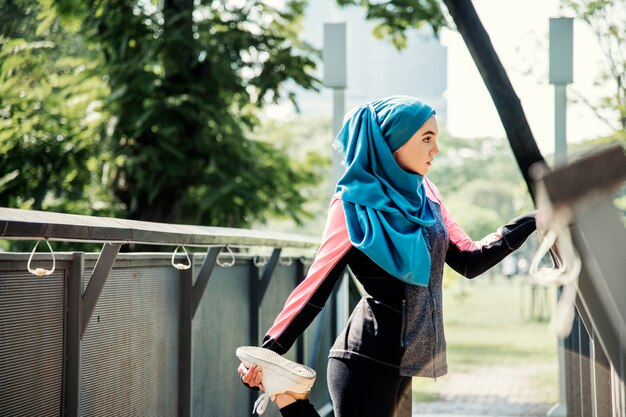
[115,334]
[593,367]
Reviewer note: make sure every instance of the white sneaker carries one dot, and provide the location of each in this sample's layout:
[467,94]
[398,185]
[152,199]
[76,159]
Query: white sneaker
[280,375]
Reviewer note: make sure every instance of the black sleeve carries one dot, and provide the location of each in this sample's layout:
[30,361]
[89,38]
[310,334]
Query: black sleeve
[473,263]
[308,312]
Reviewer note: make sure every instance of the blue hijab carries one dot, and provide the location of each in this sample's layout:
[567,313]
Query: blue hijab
[385,206]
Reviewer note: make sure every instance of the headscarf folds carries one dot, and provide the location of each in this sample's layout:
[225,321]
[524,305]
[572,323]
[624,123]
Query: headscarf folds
[385,206]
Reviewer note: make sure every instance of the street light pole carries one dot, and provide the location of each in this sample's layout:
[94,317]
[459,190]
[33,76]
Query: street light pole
[561,74]
[335,75]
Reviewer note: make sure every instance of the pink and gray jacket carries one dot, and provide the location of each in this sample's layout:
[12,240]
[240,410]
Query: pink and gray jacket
[394,324]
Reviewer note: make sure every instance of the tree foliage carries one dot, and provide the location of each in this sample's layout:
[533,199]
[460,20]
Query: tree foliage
[49,114]
[147,109]
[394,17]
[187,80]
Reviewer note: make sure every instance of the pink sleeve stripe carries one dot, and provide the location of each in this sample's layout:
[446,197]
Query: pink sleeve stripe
[335,244]
[457,235]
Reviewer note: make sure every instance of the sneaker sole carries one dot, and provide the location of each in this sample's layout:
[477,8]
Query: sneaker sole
[268,359]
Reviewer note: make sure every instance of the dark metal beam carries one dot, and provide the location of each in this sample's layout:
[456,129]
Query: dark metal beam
[253,291]
[184,342]
[100,273]
[267,274]
[253,319]
[203,276]
[73,318]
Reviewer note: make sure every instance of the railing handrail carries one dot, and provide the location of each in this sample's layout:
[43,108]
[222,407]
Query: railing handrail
[18,224]
[600,173]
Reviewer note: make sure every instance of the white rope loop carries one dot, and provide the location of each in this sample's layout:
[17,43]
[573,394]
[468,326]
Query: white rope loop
[40,272]
[545,276]
[181,266]
[565,275]
[259,261]
[287,261]
[261,404]
[232,259]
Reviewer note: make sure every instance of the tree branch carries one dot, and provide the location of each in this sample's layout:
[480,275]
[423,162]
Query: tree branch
[593,108]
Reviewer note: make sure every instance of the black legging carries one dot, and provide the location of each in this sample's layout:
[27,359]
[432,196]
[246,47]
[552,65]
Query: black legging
[358,389]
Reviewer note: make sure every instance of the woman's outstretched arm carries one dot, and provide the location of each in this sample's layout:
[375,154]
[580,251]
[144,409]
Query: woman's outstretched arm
[471,262]
[471,258]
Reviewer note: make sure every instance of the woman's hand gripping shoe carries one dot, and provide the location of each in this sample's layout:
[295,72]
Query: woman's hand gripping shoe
[280,375]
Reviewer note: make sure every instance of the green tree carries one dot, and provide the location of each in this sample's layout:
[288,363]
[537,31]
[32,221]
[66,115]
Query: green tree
[177,86]
[187,79]
[49,114]
[395,17]
[303,138]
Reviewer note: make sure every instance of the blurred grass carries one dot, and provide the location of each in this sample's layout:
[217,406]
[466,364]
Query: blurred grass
[489,323]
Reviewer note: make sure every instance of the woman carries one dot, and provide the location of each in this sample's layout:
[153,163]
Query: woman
[387,222]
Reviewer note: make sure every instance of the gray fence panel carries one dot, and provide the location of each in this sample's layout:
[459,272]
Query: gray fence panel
[219,327]
[279,288]
[320,335]
[31,340]
[130,348]
[129,353]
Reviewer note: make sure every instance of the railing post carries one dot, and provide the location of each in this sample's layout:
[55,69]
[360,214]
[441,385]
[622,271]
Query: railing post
[253,288]
[184,344]
[572,369]
[73,325]
[254,304]
[601,380]
[300,273]
[257,288]
[585,370]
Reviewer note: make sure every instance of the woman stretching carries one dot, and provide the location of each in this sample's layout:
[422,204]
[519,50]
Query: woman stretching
[388,223]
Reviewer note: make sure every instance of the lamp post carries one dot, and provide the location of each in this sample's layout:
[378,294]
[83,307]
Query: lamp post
[335,75]
[334,56]
[561,74]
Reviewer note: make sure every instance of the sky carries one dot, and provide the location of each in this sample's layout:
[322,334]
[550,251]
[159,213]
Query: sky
[519,33]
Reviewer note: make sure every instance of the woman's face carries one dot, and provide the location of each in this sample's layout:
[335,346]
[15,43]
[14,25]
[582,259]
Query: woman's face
[418,153]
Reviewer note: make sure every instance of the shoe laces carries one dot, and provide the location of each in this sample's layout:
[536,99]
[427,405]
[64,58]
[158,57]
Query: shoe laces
[261,403]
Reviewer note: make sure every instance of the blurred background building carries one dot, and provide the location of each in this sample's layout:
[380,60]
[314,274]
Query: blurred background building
[375,68]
